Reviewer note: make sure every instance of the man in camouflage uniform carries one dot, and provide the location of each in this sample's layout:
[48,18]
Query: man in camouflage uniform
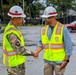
[14,51]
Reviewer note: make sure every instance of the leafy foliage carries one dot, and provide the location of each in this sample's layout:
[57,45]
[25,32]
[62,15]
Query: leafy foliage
[32,7]
[62,5]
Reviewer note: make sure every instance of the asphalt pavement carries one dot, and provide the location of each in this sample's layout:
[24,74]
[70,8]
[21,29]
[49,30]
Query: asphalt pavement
[35,66]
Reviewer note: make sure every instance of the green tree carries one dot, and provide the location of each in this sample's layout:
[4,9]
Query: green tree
[33,8]
[62,5]
[9,3]
[1,8]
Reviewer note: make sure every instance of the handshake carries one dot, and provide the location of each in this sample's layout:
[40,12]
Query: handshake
[34,54]
[30,53]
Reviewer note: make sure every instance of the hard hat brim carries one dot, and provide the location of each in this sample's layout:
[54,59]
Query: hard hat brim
[23,15]
[46,16]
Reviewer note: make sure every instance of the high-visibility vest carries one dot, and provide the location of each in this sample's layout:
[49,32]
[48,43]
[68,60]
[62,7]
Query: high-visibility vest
[10,57]
[53,48]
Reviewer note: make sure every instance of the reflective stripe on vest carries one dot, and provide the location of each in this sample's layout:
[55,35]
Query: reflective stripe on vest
[53,46]
[11,28]
[58,30]
[46,46]
[11,53]
[44,30]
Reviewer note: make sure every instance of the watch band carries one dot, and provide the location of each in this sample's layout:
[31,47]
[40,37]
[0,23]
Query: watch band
[66,61]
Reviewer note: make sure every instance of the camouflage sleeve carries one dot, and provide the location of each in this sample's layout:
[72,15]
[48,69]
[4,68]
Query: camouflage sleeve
[15,43]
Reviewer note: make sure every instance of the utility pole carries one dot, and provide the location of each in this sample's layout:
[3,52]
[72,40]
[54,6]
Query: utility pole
[23,5]
[2,7]
[2,13]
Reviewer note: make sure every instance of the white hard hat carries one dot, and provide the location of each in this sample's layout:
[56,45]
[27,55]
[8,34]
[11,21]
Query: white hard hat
[49,11]
[16,11]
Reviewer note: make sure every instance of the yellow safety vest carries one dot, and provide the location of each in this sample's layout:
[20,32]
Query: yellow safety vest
[10,58]
[53,48]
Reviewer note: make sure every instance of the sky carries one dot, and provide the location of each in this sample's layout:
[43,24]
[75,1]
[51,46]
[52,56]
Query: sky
[42,0]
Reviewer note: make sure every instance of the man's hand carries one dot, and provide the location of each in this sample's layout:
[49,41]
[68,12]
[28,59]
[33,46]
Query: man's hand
[38,50]
[35,55]
[63,65]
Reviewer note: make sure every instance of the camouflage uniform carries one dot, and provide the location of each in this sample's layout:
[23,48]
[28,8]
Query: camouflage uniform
[15,43]
[18,70]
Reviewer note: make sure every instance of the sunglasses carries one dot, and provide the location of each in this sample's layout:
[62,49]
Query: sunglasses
[50,17]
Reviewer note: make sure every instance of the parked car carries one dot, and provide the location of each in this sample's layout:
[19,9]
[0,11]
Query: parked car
[71,26]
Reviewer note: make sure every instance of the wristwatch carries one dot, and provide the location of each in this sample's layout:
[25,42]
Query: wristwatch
[66,61]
